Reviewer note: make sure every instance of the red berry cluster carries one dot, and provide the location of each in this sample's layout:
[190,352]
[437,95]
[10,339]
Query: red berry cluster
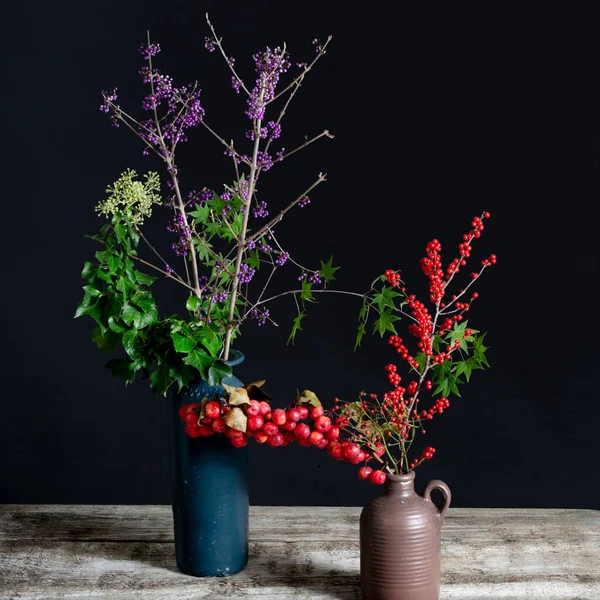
[425,455]
[431,265]
[392,277]
[279,427]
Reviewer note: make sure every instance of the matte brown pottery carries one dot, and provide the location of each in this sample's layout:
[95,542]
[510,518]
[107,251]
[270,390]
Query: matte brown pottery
[400,541]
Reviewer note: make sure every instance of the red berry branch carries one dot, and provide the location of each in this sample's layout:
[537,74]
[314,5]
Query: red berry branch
[372,428]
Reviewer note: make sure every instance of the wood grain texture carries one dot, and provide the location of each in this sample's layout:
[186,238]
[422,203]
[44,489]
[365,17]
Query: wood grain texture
[126,552]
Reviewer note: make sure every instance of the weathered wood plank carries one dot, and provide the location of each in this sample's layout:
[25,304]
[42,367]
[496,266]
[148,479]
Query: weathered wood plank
[110,552]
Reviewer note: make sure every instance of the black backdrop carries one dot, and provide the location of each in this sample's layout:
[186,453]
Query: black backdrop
[437,116]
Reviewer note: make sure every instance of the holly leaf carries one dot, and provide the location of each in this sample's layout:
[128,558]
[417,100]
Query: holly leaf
[236,419]
[296,327]
[327,270]
[308,397]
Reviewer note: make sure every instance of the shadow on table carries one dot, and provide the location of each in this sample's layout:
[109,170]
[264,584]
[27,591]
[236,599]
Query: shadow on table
[302,568]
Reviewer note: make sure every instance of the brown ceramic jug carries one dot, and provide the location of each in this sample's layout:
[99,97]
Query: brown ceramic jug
[400,542]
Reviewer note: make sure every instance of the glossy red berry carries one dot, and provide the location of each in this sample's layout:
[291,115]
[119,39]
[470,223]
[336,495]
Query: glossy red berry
[351,451]
[322,424]
[364,473]
[316,412]
[253,409]
[191,418]
[218,425]
[303,412]
[302,431]
[316,437]
[377,477]
[212,409]
[278,416]
[275,440]
[333,433]
[289,425]
[239,441]
[255,422]
[205,430]
[261,437]
[270,428]
[293,415]
[264,409]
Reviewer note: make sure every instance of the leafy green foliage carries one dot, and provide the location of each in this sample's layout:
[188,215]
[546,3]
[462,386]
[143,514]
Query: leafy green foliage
[118,297]
[327,271]
[297,326]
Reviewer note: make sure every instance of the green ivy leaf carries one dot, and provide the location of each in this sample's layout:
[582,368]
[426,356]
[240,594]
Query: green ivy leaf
[193,303]
[123,368]
[133,342]
[107,342]
[217,372]
[199,359]
[160,380]
[183,343]
[144,279]
[210,340]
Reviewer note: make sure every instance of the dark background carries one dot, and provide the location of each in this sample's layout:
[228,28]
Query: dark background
[438,116]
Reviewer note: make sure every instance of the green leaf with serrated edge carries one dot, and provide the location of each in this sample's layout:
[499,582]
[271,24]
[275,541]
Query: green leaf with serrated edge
[386,323]
[421,359]
[237,223]
[217,372]
[200,215]
[307,295]
[183,343]
[296,327]
[327,270]
[203,250]
[359,335]
[253,259]
[385,298]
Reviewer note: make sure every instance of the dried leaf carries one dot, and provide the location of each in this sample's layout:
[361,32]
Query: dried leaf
[239,396]
[229,388]
[256,393]
[236,419]
[258,383]
[308,397]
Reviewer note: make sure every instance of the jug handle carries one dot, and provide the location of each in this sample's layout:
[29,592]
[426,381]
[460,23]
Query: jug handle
[436,484]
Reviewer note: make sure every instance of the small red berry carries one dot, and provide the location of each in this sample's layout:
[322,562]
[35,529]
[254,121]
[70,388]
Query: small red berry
[377,477]
[191,418]
[303,412]
[253,409]
[293,415]
[239,441]
[270,428]
[212,409]
[205,430]
[322,444]
[193,430]
[219,425]
[302,431]
[289,425]
[278,416]
[316,437]
[316,412]
[322,424]
[351,451]
[261,437]
[364,473]
[264,408]
[275,440]
[304,443]
[255,423]
[333,433]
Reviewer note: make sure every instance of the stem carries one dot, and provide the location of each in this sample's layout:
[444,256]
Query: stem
[241,245]
[322,177]
[170,165]
[307,143]
[168,275]
[220,47]
[313,291]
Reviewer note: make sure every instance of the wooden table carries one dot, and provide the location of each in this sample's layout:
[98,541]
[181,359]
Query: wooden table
[126,552]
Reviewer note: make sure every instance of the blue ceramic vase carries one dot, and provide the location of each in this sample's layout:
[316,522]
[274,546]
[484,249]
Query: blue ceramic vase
[209,482]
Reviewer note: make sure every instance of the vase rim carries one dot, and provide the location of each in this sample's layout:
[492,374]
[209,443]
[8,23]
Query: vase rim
[235,358]
[404,478]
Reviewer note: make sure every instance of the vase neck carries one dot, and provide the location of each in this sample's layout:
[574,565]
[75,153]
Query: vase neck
[400,485]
